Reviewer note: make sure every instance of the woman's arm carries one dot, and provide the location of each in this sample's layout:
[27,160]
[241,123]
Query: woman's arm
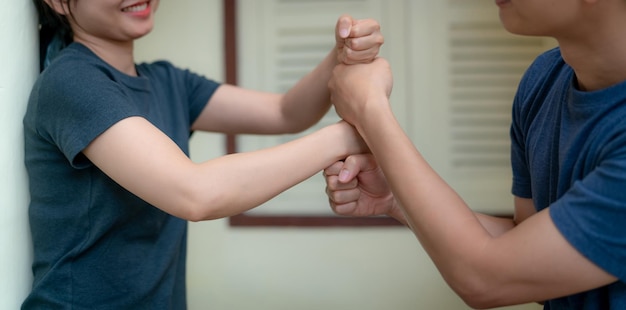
[146,162]
[235,110]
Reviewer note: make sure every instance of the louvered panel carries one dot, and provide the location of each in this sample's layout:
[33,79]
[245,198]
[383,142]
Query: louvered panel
[295,35]
[298,51]
[306,7]
[458,56]
[485,65]
[303,33]
[303,30]
[287,39]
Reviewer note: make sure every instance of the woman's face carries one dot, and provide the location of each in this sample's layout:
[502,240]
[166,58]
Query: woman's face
[111,20]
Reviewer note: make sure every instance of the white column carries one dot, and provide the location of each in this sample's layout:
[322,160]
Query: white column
[18,69]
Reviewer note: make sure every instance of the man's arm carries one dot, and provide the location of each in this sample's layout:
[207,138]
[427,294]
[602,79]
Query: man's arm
[529,262]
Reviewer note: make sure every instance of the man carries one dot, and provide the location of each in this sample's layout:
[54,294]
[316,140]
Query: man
[566,245]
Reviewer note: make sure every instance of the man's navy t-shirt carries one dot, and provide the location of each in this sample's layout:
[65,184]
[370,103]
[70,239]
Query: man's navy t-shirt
[569,155]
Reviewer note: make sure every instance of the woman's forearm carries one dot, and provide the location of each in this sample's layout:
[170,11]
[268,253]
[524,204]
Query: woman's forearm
[236,183]
[309,99]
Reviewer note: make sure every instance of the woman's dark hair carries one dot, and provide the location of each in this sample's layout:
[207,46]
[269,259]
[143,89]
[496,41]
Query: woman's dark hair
[52,27]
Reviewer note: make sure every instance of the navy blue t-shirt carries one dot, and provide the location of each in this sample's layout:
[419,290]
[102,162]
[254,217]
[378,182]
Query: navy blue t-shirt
[96,245]
[569,155]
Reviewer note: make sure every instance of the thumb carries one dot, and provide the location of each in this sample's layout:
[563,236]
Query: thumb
[344,26]
[355,164]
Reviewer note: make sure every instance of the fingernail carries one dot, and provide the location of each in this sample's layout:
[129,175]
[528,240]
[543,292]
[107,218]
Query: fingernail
[344,33]
[344,174]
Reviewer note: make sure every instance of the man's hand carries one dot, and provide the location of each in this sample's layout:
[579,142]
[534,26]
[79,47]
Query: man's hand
[353,87]
[357,187]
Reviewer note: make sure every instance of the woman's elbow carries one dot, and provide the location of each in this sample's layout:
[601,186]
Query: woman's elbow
[197,207]
[197,214]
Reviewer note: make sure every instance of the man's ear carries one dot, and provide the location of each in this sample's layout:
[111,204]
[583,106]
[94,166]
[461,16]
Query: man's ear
[59,6]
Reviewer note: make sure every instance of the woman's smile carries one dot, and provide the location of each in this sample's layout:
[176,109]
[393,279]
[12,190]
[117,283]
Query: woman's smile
[142,9]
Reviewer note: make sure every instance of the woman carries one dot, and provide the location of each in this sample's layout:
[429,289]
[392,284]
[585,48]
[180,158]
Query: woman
[106,141]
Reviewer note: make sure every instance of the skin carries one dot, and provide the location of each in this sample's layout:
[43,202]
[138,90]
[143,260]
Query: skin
[484,259]
[142,159]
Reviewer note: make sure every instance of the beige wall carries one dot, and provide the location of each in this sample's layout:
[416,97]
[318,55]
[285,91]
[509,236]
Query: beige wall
[286,268]
[290,268]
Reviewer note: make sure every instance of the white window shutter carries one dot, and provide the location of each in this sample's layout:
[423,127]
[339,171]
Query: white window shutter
[279,42]
[455,73]
[475,65]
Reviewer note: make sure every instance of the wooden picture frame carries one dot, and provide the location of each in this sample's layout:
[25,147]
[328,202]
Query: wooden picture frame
[277,220]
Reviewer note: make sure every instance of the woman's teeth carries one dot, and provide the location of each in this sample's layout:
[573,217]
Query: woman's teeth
[136,8]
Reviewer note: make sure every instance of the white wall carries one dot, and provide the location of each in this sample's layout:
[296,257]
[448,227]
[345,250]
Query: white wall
[18,69]
[286,268]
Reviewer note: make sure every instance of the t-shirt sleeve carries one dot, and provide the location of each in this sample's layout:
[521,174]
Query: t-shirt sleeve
[525,107]
[521,185]
[591,214]
[195,88]
[75,108]
[200,90]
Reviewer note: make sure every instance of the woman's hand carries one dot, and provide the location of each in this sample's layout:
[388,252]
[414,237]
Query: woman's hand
[358,41]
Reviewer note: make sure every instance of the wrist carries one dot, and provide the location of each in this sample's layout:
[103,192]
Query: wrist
[348,142]
[375,108]
[396,212]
